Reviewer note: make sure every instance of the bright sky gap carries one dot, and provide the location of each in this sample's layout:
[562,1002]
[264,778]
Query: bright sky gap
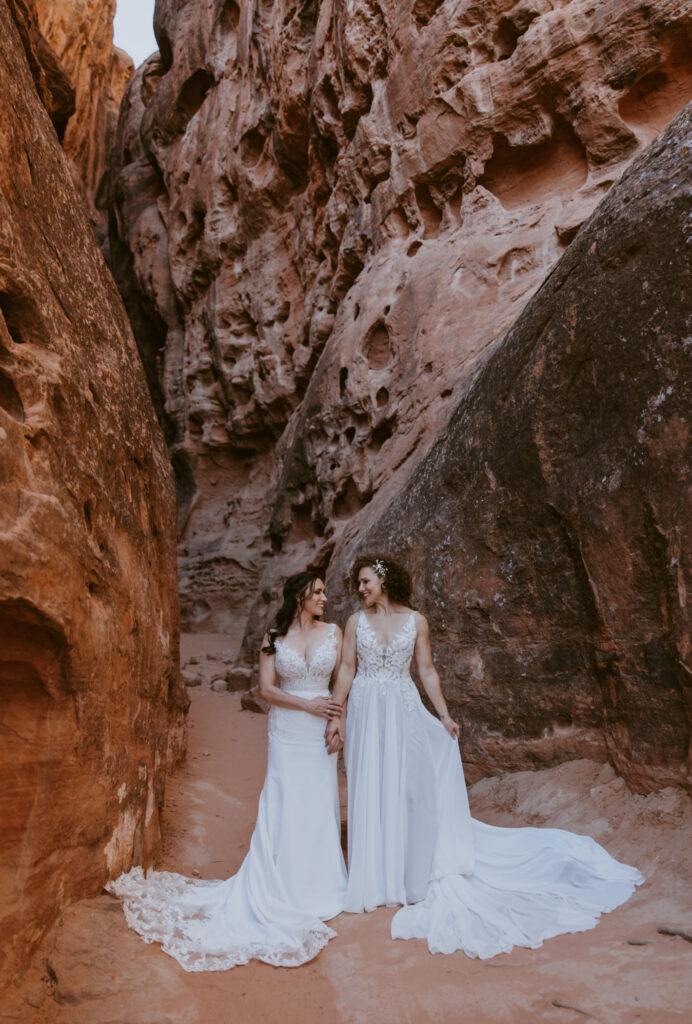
[132,28]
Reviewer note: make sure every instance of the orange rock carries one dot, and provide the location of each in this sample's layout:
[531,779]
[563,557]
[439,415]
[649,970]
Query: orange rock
[325,216]
[80,32]
[91,702]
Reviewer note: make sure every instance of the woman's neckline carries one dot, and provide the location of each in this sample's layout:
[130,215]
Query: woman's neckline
[327,631]
[381,646]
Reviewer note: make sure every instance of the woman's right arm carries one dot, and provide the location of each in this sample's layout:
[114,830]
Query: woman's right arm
[323,707]
[336,729]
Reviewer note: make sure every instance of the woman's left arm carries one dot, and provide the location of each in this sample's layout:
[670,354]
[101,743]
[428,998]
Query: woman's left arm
[429,677]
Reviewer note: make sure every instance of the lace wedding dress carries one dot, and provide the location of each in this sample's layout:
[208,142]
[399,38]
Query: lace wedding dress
[293,877]
[411,839]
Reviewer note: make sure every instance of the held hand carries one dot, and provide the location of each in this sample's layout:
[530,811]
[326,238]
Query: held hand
[451,726]
[324,707]
[333,736]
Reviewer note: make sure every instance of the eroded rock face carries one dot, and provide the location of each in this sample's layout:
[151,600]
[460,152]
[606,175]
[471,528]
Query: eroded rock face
[91,703]
[549,527]
[80,33]
[326,214]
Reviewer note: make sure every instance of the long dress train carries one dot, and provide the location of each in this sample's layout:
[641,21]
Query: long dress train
[293,877]
[412,841]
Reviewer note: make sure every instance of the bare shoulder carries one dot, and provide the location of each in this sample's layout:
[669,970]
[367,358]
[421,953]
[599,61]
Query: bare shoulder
[422,627]
[352,622]
[266,642]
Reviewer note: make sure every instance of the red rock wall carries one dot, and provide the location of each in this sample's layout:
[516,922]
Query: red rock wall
[323,216]
[80,33]
[91,703]
[549,528]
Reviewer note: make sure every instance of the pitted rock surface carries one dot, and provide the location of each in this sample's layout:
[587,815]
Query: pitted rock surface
[91,701]
[549,527]
[324,215]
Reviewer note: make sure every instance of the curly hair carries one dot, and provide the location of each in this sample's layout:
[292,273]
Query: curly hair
[396,581]
[296,589]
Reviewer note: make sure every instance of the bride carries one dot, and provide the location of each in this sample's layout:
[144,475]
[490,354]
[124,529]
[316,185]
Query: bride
[411,839]
[293,877]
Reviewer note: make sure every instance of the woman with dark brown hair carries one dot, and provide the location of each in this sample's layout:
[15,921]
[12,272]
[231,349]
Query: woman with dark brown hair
[293,878]
[411,839]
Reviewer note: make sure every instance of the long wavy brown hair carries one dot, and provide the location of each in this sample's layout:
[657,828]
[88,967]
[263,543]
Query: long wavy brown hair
[296,589]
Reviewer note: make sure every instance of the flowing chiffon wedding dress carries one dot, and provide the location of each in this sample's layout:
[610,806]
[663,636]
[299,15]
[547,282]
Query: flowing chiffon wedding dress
[411,838]
[293,877]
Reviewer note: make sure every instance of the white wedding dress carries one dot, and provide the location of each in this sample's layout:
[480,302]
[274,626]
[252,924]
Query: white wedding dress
[411,839]
[293,877]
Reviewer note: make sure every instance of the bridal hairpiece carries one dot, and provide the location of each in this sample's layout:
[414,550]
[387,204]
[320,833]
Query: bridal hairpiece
[380,568]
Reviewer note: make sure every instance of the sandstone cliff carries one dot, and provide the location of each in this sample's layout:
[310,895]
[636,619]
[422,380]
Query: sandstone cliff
[323,215]
[91,703]
[550,525]
[80,33]
[324,219]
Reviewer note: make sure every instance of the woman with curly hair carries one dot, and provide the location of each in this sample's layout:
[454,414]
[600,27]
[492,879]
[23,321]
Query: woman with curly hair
[411,839]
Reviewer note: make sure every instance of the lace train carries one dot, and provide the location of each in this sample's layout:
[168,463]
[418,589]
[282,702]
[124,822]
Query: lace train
[181,913]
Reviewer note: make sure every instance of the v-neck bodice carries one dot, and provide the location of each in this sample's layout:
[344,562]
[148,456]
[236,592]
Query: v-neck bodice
[298,673]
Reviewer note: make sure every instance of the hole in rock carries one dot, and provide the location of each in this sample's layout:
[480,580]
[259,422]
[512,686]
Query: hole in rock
[350,500]
[308,18]
[343,377]
[87,515]
[193,93]
[423,10]
[230,16]
[381,398]
[349,434]
[327,92]
[302,525]
[196,226]
[356,312]
[378,347]
[251,146]
[9,398]
[522,175]
[414,247]
[382,432]
[509,32]
[431,215]
[21,316]
[655,99]
[361,103]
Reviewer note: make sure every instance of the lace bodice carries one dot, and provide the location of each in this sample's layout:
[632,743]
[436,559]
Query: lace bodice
[385,668]
[294,672]
[393,658]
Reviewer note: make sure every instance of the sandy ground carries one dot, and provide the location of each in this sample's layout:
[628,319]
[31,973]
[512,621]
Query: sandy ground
[92,970]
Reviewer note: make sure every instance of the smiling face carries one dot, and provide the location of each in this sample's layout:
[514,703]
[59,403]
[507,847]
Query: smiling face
[369,586]
[314,601]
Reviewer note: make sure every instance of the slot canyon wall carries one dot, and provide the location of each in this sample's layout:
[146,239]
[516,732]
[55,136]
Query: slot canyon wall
[549,527]
[91,701]
[80,34]
[324,218]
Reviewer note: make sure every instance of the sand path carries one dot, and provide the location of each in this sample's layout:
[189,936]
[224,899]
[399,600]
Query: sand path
[93,970]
